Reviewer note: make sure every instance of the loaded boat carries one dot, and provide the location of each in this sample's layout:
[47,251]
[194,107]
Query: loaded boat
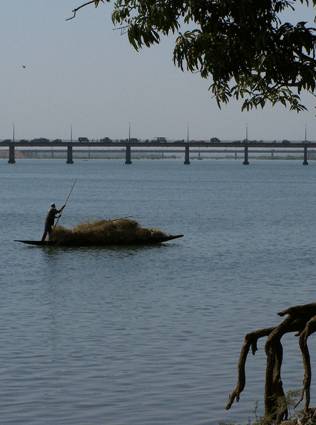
[118,232]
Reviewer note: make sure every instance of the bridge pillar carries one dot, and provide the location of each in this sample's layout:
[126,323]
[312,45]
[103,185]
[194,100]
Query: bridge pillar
[187,155]
[305,156]
[11,154]
[128,155]
[69,155]
[246,162]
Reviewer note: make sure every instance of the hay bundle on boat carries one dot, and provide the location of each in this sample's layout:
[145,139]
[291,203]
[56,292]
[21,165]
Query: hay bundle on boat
[107,232]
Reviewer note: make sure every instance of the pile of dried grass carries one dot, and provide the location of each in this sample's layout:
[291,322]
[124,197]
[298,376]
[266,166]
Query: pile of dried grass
[108,232]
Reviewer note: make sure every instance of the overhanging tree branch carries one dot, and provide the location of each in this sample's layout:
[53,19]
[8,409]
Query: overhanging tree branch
[229,41]
[96,2]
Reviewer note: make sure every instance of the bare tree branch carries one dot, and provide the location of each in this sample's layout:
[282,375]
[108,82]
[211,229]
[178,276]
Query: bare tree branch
[96,2]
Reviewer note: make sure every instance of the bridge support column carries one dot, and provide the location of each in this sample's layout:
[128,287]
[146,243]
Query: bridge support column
[128,155]
[246,162]
[305,156]
[11,154]
[187,155]
[69,155]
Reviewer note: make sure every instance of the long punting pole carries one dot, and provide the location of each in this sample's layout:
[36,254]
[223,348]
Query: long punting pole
[70,192]
[66,202]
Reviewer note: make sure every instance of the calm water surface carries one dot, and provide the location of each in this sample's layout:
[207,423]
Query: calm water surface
[150,335]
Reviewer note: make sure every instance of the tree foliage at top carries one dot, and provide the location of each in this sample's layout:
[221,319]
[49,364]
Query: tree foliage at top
[241,45]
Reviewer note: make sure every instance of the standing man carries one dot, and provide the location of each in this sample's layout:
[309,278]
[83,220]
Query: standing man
[49,221]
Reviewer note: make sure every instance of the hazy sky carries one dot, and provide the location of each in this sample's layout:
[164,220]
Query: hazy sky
[83,73]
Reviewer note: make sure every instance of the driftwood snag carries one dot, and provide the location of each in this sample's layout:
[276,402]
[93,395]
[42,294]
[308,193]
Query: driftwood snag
[302,320]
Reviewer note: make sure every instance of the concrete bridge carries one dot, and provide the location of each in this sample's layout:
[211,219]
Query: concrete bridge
[243,146]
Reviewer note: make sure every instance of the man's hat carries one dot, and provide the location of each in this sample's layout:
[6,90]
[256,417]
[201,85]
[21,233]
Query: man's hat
[52,205]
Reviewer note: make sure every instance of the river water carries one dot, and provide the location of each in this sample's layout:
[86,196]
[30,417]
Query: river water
[150,335]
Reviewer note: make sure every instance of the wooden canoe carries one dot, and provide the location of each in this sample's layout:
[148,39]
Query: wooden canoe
[153,241]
